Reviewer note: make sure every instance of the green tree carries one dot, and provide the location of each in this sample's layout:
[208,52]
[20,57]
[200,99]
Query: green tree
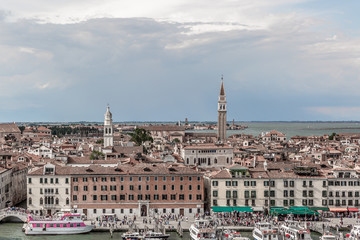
[331,137]
[96,155]
[140,135]
[100,141]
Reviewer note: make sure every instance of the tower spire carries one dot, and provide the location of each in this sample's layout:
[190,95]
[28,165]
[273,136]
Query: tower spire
[222,90]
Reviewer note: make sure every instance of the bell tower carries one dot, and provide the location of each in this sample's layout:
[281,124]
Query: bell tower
[221,124]
[108,129]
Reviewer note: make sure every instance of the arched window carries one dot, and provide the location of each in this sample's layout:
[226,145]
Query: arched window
[109,130]
[67,201]
[30,201]
[187,161]
[41,201]
[227,160]
[215,161]
[105,130]
[57,201]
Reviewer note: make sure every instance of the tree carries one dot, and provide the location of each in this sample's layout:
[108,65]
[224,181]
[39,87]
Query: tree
[331,137]
[140,135]
[100,141]
[96,155]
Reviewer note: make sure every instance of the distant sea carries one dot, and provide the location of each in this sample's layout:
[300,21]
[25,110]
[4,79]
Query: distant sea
[296,128]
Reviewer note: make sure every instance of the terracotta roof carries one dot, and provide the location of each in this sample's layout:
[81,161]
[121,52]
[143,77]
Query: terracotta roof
[9,127]
[125,169]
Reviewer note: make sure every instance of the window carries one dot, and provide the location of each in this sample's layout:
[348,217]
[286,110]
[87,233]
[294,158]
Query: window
[266,193]
[324,193]
[286,184]
[66,191]
[85,188]
[156,196]
[103,188]
[285,202]
[172,179]
[173,197]
[246,194]
[311,193]
[94,197]
[131,187]
[131,197]
[272,193]
[139,187]
[253,194]
[215,202]
[112,179]
[198,197]
[292,183]
[181,187]
[156,187]
[246,183]
[122,197]
[75,179]
[140,197]
[85,179]
[228,194]
[41,180]
[266,183]
[190,187]
[181,196]
[76,188]
[292,193]
[215,183]
[84,197]
[228,183]
[215,193]
[164,179]
[235,194]
[94,179]
[253,183]
[304,194]
[286,193]
[74,197]
[103,179]
[140,179]
[113,188]
[190,196]
[56,180]
[164,187]
[234,183]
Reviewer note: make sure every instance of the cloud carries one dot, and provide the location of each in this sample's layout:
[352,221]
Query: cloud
[167,66]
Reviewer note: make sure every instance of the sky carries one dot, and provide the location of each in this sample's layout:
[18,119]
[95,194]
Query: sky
[161,60]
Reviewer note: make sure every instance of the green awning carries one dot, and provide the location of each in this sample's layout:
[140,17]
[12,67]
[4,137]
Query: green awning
[222,209]
[231,209]
[299,208]
[243,209]
[319,208]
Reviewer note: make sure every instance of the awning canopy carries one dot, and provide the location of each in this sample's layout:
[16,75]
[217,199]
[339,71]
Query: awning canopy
[338,209]
[231,209]
[258,209]
[222,209]
[243,209]
[320,208]
[294,210]
[353,209]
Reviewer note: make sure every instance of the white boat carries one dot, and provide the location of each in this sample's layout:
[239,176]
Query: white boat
[294,230]
[155,235]
[203,229]
[328,236]
[145,236]
[354,233]
[265,231]
[62,223]
[233,235]
[131,236]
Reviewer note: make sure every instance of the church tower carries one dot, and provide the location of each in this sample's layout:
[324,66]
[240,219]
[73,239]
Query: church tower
[221,124]
[108,129]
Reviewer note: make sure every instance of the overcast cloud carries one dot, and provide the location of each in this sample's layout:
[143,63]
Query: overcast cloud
[281,60]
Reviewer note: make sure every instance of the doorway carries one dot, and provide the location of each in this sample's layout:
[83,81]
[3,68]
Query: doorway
[143,211]
[181,211]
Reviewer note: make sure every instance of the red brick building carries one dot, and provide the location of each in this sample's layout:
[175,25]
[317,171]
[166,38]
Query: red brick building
[142,189]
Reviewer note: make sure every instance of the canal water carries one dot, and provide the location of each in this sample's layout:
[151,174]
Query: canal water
[13,231]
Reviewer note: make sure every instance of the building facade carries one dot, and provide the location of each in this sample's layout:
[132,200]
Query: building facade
[140,190]
[207,155]
[48,189]
[239,186]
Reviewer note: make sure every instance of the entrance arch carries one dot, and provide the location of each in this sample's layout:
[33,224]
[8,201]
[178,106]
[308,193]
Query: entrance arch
[144,211]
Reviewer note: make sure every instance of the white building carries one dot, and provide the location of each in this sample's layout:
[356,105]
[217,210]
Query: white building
[300,186]
[42,151]
[208,155]
[48,190]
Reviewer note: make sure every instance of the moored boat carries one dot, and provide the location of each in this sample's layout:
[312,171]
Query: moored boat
[264,231]
[294,230]
[62,223]
[354,233]
[203,229]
